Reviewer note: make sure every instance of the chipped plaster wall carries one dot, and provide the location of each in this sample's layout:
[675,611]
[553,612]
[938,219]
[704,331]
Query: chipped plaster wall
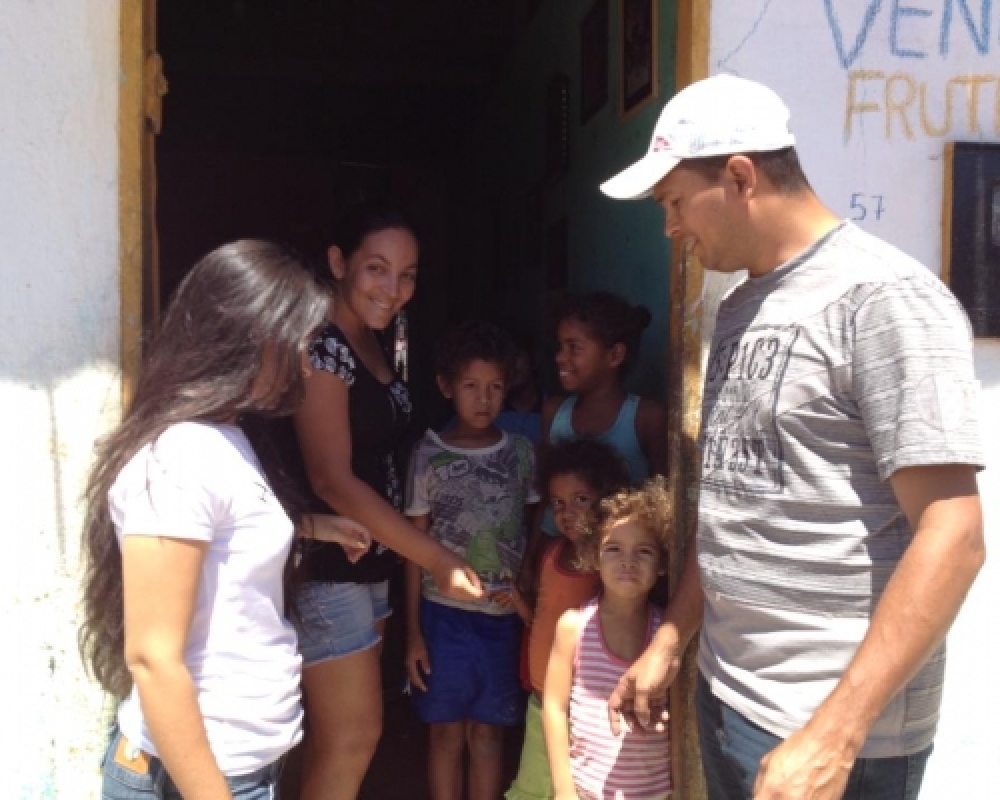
[875,91]
[59,386]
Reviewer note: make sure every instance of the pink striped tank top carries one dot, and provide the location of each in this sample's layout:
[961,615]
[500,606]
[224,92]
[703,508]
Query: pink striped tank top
[634,766]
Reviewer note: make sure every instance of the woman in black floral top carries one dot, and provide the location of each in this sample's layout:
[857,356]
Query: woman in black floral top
[355,413]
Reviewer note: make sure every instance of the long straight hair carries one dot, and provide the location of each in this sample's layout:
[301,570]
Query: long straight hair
[236,302]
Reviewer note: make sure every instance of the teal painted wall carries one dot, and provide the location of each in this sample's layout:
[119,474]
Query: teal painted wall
[612,245]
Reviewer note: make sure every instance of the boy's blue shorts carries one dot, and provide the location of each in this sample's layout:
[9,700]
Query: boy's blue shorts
[474,667]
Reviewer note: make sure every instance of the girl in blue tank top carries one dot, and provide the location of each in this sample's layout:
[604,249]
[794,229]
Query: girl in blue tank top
[598,336]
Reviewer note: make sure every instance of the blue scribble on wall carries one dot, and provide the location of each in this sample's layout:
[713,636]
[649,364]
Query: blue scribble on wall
[980,36]
[902,17]
[847,58]
[896,15]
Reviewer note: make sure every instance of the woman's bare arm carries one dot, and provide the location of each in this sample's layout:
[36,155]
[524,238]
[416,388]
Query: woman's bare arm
[160,581]
[325,441]
[352,536]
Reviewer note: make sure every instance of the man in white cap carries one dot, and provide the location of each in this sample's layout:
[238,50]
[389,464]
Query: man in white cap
[839,523]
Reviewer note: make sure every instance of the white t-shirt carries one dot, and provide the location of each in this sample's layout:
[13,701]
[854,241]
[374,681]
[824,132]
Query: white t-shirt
[826,376]
[203,482]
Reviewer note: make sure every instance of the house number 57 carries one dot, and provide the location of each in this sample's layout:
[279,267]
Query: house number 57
[866,206]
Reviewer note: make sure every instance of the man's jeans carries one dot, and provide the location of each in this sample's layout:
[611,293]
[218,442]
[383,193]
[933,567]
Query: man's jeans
[732,747]
[121,783]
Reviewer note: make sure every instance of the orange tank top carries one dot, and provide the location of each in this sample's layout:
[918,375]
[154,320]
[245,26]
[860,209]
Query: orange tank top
[558,591]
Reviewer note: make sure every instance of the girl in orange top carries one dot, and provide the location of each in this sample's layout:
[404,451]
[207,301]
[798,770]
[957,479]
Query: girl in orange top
[576,476]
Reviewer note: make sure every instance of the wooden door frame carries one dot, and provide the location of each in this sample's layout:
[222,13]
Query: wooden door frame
[130,125]
[141,88]
[138,249]
[684,387]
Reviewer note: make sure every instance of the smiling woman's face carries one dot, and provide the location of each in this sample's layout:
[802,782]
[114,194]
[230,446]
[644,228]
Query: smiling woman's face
[378,278]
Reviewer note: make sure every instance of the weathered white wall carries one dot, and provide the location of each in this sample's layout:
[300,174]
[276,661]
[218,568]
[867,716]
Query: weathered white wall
[876,89]
[58,370]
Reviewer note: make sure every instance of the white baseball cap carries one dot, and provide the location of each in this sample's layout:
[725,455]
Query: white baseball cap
[717,116]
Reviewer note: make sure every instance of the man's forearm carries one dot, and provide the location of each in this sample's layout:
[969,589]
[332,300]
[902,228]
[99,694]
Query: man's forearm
[684,612]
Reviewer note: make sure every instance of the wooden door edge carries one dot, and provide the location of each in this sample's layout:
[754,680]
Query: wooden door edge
[947,210]
[684,419]
[131,126]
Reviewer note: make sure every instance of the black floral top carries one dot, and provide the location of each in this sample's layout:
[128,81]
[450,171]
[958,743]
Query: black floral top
[379,416]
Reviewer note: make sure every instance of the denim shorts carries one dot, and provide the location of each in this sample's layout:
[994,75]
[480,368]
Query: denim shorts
[335,620]
[122,783]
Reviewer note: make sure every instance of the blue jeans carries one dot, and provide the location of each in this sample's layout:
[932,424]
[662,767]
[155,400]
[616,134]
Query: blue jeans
[732,747]
[121,783]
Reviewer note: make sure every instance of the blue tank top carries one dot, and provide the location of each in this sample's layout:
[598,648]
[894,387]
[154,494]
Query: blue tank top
[621,436]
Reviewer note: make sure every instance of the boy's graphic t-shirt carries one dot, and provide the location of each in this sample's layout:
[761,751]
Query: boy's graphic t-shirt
[476,499]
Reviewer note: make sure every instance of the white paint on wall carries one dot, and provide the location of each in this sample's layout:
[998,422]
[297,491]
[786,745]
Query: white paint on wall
[59,385]
[876,89]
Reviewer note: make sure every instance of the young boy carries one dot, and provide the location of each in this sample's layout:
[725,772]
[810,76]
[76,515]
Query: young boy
[469,489]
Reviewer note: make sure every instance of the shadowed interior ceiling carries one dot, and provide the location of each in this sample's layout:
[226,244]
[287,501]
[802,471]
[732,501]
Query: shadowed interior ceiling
[361,80]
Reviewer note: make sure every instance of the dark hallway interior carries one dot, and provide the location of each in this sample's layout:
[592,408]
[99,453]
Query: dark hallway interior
[468,115]
[280,113]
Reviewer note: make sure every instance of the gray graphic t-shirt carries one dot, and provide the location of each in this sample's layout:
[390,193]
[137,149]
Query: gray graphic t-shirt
[476,500]
[825,377]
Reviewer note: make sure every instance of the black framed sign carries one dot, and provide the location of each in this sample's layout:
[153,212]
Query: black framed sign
[638,53]
[594,60]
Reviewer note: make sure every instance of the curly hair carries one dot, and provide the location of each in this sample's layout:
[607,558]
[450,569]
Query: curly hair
[475,340]
[595,463]
[649,505]
[609,319]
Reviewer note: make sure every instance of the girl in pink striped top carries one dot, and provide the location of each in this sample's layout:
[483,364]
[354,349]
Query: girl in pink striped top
[596,644]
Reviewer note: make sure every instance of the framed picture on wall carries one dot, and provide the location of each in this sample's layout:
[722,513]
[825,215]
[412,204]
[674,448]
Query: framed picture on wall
[594,60]
[638,53]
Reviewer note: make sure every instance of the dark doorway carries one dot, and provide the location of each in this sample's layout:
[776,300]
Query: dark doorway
[278,114]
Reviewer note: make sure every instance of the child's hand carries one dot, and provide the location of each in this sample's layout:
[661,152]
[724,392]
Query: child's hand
[567,796]
[502,597]
[512,598]
[455,578]
[352,536]
[640,699]
[418,661]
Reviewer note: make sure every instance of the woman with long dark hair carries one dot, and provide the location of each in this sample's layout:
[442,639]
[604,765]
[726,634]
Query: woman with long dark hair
[352,422]
[185,540]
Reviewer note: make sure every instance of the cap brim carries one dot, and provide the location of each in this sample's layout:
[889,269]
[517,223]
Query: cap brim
[638,180]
